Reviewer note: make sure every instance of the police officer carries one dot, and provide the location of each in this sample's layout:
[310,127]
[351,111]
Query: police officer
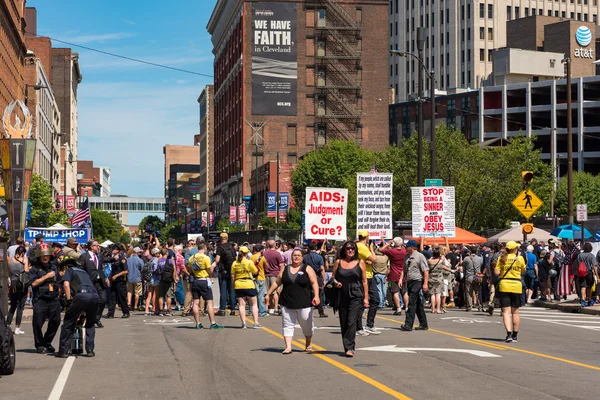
[82,297]
[92,262]
[118,283]
[46,306]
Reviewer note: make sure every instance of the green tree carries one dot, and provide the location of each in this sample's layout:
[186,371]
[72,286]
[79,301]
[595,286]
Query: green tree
[585,191]
[223,225]
[59,217]
[40,197]
[154,220]
[172,230]
[105,226]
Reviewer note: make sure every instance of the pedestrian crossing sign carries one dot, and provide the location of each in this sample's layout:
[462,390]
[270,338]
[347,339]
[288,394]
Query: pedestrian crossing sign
[527,203]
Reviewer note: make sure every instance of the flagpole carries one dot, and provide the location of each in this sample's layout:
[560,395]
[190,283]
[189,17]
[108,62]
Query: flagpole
[91,225]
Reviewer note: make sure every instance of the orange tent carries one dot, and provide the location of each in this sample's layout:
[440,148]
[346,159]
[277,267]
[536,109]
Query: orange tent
[462,237]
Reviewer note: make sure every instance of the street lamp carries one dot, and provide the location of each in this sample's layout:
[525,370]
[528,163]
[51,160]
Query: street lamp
[431,76]
[34,87]
[567,61]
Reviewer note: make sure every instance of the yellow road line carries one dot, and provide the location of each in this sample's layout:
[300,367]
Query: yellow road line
[395,394]
[503,347]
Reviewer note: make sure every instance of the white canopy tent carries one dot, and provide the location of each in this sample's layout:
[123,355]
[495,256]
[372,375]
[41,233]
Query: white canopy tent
[58,226]
[516,234]
[106,244]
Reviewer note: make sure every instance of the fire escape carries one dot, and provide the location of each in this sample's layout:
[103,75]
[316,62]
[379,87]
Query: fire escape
[338,97]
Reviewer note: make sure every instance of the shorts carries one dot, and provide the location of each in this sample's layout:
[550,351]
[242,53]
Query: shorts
[394,288]
[529,280]
[508,299]
[585,282]
[200,289]
[154,282]
[171,292]
[445,286]
[134,288]
[245,293]
[164,288]
[270,280]
[404,288]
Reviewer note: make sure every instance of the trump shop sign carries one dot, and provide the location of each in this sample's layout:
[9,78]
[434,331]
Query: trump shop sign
[58,235]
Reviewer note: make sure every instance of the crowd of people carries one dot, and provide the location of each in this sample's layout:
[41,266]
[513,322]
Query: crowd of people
[288,279]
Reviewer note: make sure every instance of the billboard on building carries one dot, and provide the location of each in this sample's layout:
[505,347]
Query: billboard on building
[274,59]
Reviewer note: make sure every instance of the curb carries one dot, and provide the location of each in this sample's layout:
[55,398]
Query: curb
[568,307]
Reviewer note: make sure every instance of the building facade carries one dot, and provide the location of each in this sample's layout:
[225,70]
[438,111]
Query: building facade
[182,164]
[92,180]
[325,49]
[460,37]
[205,140]
[12,51]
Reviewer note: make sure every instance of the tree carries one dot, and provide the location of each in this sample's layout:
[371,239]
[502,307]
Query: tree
[585,191]
[40,197]
[224,225]
[153,220]
[105,227]
[59,217]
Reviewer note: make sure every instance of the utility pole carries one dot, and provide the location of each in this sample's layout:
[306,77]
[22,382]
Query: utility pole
[256,128]
[420,46]
[277,199]
[553,164]
[569,141]
[433,167]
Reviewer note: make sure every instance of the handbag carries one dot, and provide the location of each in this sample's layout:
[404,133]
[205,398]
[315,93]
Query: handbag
[496,280]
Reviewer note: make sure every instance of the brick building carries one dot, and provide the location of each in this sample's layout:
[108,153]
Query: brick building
[12,51]
[288,77]
[182,164]
[205,139]
[92,180]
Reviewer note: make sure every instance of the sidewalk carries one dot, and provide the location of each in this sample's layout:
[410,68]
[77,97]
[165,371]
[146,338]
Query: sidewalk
[568,306]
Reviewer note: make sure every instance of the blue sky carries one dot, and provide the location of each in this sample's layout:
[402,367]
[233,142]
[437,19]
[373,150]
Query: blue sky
[127,110]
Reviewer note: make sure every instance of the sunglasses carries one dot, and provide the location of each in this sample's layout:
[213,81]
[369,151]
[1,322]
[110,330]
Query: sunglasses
[349,249]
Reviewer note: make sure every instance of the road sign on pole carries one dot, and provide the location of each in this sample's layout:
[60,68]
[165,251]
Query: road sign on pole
[433,182]
[582,212]
[527,203]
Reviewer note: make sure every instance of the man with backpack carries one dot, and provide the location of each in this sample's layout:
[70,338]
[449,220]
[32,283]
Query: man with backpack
[166,267]
[586,270]
[225,256]
[316,261]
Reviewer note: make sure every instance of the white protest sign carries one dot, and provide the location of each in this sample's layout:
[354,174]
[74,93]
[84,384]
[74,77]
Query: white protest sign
[374,204]
[433,211]
[325,213]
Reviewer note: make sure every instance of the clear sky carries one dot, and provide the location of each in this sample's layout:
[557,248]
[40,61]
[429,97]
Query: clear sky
[127,110]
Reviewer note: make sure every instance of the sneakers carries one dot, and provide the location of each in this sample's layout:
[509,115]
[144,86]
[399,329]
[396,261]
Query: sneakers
[398,312]
[590,303]
[584,304]
[372,331]
[232,312]
[362,332]
[244,326]
[323,315]
[199,326]
[258,326]
[509,338]
[19,331]
[221,313]
[215,326]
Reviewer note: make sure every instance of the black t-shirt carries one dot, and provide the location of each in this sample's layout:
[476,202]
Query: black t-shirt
[454,258]
[315,260]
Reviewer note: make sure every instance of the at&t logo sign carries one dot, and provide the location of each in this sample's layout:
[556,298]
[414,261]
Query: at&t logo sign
[583,36]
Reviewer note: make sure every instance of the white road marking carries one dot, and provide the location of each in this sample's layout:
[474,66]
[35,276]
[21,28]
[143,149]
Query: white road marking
[174,321]
[414,350]
[62,379]
[337,328]
[467,320]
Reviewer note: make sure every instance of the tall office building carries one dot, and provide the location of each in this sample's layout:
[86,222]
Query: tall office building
[460,37]
[205,139]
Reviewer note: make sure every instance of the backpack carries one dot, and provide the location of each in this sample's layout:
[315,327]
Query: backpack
[582,270]
[147,271]
[168,272]
[227,259]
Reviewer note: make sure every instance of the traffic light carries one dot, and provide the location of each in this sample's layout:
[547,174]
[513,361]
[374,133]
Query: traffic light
[527,229]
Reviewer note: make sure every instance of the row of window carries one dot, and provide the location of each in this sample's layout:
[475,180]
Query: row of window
[540,11]
[128,206]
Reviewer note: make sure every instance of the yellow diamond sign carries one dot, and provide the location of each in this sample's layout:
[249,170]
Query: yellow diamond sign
[527,203]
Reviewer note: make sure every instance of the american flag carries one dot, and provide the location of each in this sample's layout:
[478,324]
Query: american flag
[82,216]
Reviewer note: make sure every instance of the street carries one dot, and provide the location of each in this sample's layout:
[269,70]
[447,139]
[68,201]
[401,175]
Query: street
[461,356]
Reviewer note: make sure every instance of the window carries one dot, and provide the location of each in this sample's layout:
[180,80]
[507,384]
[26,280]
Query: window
[391,70]
[549,13]
[462,56]
[490,11]
[462,35]
[291,135]
[407,25]
[396,28]
[462,13]
[490,55]
[462,78]
[572,15]
[447,16]
[447,39]
[508,13]
[585,17]
[391,29]
[490,34]
[594,18]
[441,60]
[468,33]
[526,12]
[517,13]
[482,10]
[468,56]
[442,17]
[578,16]
[469,10]
[432,41]
[421,19]
[564,14]
[556,13]
[442,38]
[481,55]
[481,33]
[396,69]
[540,12]
[432,19]
[441,81]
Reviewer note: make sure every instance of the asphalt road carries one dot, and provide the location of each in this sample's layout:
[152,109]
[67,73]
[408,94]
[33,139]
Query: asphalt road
[462,356]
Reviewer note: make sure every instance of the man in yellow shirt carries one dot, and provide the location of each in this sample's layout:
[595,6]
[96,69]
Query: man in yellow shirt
[201,269]
[259,262]
[366,253]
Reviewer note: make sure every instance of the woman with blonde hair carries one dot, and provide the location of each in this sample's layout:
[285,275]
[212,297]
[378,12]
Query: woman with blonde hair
[510,268]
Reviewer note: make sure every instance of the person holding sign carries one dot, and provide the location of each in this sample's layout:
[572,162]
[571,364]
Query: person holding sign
[366,253]
[350,277]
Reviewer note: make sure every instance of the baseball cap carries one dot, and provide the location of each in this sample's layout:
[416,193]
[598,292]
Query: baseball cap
[244,250]
[136,249]
[224,236]
[412,243]
[155,250]
[363,233]
[510,245]
[72,241]
[39,236]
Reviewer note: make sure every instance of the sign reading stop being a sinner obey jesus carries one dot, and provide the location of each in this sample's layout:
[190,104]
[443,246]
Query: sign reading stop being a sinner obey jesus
[325,213]
[433,211]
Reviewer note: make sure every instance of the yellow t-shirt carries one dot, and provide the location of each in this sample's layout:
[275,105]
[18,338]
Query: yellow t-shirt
[261,266]
[204,262]
[511,283]
[363,254]
[243,272]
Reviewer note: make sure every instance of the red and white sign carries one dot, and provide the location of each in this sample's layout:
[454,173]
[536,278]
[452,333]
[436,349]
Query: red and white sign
[325,213]
[70,204]
[232,214]
[433,211]
[242,214]
[204,217]
[582,213]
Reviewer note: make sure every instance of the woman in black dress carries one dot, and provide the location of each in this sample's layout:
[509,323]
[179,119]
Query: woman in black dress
[298,297]
[350,277]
